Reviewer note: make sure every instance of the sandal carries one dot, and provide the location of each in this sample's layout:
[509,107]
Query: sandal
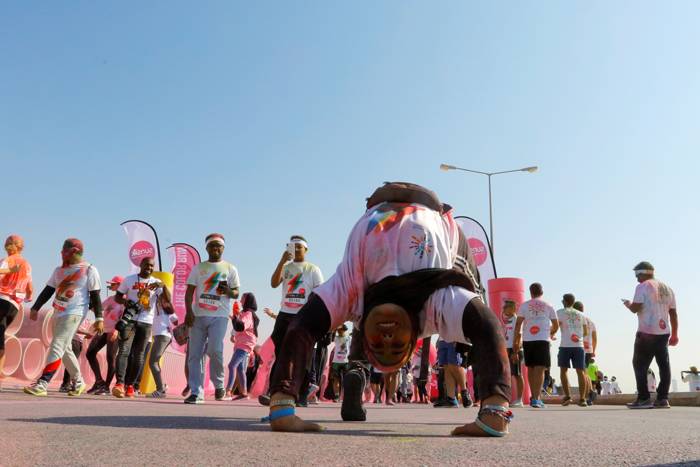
[499,410]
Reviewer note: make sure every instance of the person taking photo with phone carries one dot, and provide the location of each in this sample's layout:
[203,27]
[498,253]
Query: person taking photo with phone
[298,278]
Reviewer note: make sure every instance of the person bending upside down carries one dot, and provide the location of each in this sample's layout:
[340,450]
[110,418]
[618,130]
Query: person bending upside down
[405,275]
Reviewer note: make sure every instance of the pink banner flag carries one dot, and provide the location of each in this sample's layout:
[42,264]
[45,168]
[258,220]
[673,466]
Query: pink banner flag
[143,243]
[185,257]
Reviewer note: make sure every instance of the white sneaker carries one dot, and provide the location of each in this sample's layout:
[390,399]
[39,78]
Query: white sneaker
[517,403]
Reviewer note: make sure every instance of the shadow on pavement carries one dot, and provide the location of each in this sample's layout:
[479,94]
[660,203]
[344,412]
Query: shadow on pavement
[156,422]
[210,423]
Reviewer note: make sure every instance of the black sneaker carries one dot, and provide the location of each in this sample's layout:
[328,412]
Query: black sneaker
[466,399]
[219,394]
[353,387]
[94,387]
[661,404]
[192,399]
[301,403]
[264,399]
[641,404]
[65,388]
[102,390]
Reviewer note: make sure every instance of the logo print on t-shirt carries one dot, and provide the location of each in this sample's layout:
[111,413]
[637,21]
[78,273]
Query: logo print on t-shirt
[294,283]
[574,338]
[534,330]
[66,289]
[212,281]
[388,216]
[422,244]
[662,324]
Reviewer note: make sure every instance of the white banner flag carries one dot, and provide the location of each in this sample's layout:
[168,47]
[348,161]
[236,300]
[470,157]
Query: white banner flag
[480,247]
[143,243]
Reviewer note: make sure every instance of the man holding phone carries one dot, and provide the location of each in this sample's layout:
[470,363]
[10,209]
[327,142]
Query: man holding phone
[216,283]
[654,303]
[298,278]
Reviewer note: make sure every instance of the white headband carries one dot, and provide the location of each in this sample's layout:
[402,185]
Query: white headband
[301,242]
[643,271]
[216,239]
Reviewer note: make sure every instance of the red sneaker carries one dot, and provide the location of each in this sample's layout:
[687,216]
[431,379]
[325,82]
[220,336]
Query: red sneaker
[130,391]
[118,390]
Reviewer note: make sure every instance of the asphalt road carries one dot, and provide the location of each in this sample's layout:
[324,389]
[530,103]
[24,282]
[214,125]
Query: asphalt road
[89,430]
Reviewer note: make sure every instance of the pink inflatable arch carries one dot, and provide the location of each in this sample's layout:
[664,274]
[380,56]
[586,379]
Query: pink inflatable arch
[13,355]
[41,329]
[33,357]
[16,323]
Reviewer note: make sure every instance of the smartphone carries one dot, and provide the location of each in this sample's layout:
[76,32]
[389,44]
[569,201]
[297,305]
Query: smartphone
[221,284]
[290,248]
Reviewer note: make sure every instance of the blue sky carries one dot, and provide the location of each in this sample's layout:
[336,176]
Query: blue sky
[264,120]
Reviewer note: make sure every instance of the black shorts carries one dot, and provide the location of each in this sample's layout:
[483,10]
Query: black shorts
[7,314]
[589,357]
[537,354]
[375,378]
[515,367]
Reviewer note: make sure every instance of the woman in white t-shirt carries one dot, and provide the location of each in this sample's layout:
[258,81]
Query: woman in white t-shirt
[163,323]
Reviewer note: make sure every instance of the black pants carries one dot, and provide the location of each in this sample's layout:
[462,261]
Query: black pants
[132,351]
[7,314]
[646,348]
[479,325]
[95,346]
[318,363]
[77,346]
[278,333]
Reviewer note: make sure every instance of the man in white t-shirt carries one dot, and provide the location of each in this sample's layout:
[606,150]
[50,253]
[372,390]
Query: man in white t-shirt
[535,328]
[76,284]
[590,344]
[572,325]
[298,278]
[654,304]
[399,280]
[614,386]
[692,377]
[139,293]
[341,350]
[216,284]
[508,319]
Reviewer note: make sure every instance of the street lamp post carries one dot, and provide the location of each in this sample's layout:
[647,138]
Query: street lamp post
[447,167]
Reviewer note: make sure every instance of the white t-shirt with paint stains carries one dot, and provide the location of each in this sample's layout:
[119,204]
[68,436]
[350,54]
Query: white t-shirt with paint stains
[390,239]
[656,299]
[537,319]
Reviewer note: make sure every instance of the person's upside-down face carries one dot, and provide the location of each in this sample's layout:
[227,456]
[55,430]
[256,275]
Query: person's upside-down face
[389,339]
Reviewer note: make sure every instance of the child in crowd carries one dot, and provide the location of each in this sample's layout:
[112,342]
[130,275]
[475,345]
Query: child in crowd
[244,337]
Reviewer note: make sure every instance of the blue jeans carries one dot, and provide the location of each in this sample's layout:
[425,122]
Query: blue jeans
[206,332]
[237,368]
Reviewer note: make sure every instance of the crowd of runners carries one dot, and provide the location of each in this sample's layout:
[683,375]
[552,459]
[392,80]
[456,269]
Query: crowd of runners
[407,274]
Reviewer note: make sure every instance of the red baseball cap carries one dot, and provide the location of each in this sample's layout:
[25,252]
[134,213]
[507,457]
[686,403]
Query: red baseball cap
[115,280]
